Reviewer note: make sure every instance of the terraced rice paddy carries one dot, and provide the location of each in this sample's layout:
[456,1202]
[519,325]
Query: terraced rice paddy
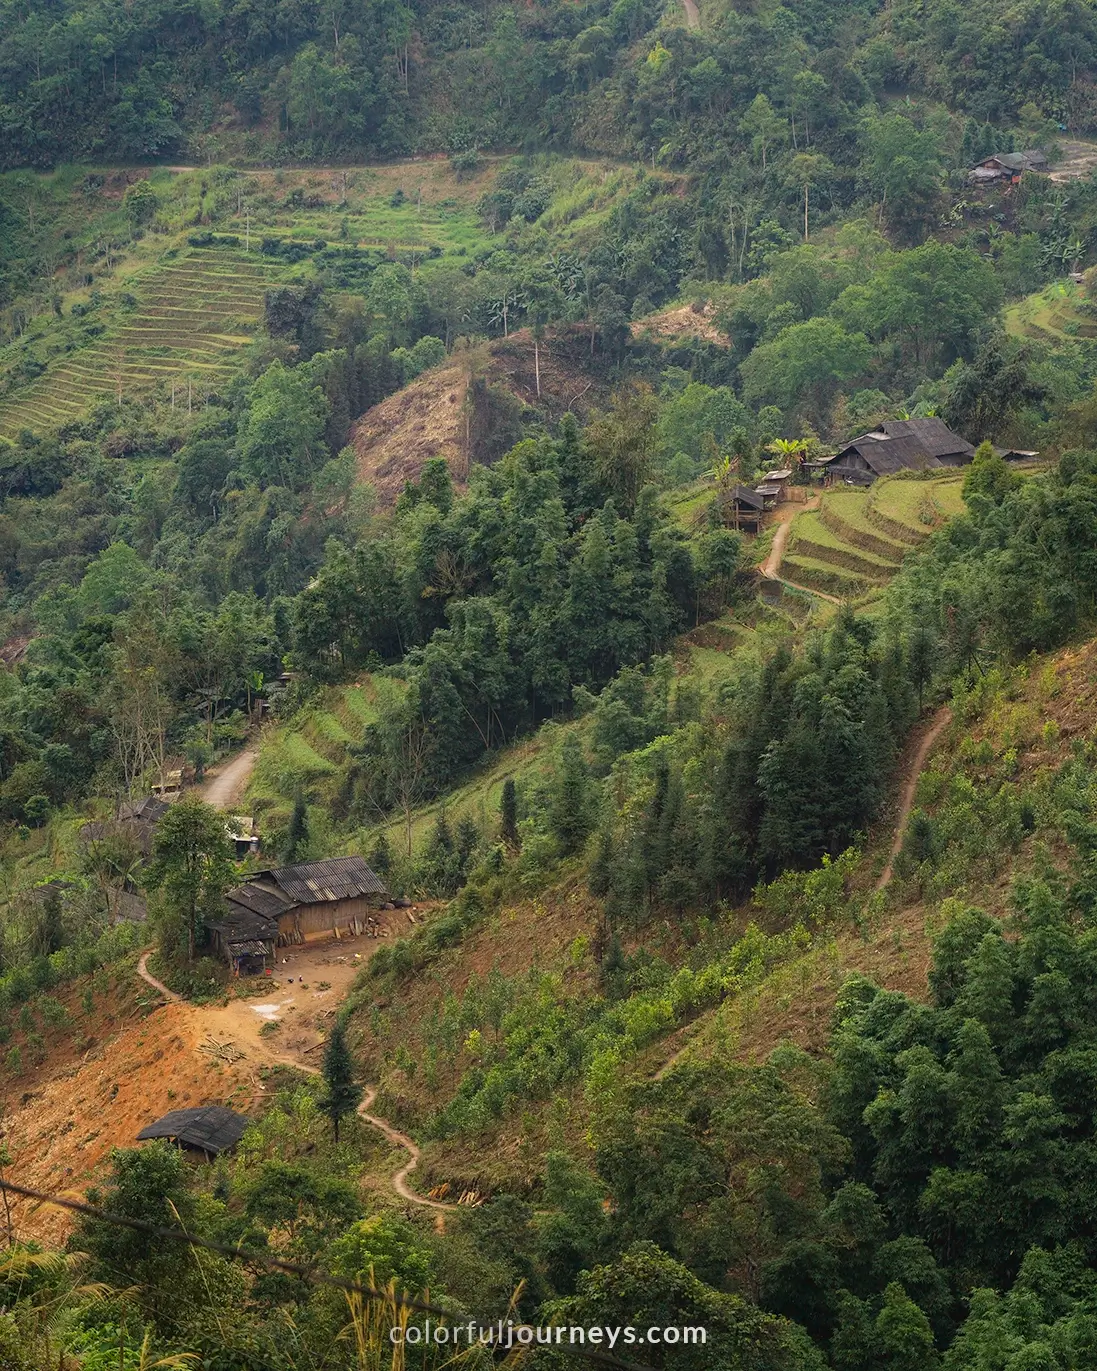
[192,316]
[855,542]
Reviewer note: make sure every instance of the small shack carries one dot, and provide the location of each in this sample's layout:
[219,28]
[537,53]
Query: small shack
[136,819]
[779,478]
[210,1129]
[244,834]
[747,507]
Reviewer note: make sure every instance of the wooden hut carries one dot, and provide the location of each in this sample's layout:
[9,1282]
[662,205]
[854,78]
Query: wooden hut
[210,1129]
[296,904]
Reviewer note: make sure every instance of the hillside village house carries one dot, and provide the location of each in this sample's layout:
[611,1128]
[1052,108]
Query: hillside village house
[1008,166]
[295,904]
[900,445]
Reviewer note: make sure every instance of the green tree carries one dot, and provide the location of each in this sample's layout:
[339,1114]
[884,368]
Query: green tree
[764,128]
[989,475]
[508,813]
[191,865]
[904,1340]
[148,1184]
[281,439]
[297,835]
[902,164]
[802,368]
[622,443]
[569,806]
[342,1093]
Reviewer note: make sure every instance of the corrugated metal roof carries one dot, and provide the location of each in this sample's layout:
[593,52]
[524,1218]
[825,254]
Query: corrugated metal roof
[341,878]
[249,949]
[212,1128]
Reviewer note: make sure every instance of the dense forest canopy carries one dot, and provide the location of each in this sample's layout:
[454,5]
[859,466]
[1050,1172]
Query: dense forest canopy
[414,412]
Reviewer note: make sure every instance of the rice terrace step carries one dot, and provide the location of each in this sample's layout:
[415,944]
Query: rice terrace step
[192,316]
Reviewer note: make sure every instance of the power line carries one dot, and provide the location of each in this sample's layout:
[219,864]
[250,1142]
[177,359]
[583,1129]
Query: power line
[305,1273]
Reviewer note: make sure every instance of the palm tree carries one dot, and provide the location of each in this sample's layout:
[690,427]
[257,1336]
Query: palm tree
[787,448]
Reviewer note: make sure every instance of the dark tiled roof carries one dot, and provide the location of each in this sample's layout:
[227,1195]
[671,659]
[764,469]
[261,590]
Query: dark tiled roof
[239,925]
[341,878]
[212,1128]
[150,809]
[1020,161]
[885,456]
[258,898]
[934,435]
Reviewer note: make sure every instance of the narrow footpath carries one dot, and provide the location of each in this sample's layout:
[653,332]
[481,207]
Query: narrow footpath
[399,1179]
[936,727]
[771,567]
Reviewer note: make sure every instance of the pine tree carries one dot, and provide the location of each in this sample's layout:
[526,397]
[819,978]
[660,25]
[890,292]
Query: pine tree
[569,811]
[508,814]
[466,841]
[343,1092]
[298,835]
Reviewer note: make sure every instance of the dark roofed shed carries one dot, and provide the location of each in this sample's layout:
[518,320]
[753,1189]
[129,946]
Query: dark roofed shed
[211,1129]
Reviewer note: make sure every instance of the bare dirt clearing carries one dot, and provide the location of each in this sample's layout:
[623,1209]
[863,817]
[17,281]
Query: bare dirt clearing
[60,1133]
[1077,161]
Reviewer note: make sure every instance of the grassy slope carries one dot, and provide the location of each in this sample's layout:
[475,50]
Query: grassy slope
[1013,735]
[853,544]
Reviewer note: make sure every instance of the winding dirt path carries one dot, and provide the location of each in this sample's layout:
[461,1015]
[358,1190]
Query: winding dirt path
[147,976]
[771,567]
[224,787]
[937,725]
[399,1178]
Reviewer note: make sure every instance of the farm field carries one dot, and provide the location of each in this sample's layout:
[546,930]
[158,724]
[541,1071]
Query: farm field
[191,317]
[856,540]
[1054,313]
[128,311]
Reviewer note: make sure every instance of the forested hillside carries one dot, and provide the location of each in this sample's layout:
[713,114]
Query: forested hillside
[548,603]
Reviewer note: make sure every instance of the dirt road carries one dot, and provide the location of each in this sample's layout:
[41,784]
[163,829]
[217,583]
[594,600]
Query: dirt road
[937,725]
[224,787]
[693,16]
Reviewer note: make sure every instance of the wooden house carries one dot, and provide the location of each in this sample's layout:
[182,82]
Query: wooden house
[900,445]
[935,436]
[296,904]
[1008,166]
[747,507]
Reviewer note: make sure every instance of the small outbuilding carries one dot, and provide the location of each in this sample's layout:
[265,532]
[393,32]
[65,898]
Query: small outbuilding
[747,507]
[210,1129]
